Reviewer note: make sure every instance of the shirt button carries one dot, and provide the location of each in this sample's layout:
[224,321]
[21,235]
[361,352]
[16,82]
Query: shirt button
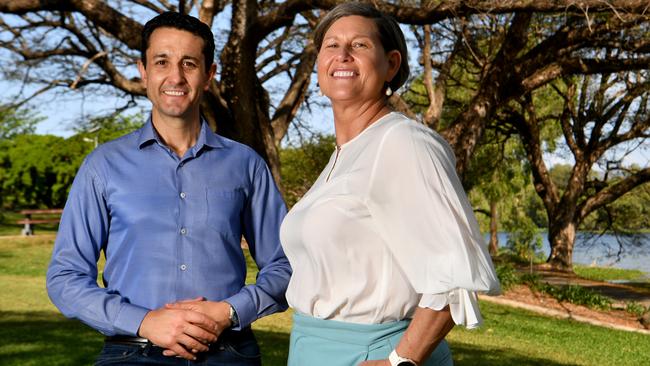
[183,267]
[183,231]
[183,195]
[181,164]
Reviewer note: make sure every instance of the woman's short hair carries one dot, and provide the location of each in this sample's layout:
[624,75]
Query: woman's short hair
[390,35]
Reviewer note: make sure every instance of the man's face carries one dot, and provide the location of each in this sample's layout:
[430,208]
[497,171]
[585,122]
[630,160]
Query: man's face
[175,75]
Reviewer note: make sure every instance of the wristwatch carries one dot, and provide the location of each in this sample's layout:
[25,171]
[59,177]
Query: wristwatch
[234,319]
[397,360]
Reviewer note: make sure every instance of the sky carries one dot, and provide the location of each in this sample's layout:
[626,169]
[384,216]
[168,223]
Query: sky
[64,112]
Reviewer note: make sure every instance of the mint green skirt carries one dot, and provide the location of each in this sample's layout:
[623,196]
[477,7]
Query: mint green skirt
[318,342]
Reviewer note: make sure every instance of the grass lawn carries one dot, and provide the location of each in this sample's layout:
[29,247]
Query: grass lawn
[8,225]
[608,273]
[32,332]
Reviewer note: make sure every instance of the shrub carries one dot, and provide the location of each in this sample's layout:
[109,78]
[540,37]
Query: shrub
[576,295]
[507,275]
[635,308]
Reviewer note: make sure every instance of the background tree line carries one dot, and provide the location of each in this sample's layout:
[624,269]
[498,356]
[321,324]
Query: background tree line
[544,75]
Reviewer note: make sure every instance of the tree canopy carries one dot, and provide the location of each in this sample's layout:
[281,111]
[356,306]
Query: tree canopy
[482,66]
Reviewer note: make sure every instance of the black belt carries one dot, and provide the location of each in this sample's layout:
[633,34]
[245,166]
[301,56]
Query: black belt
[139,341]
[128,340]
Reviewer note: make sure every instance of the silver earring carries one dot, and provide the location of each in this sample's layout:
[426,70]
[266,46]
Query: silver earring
[389,91]
[320,92]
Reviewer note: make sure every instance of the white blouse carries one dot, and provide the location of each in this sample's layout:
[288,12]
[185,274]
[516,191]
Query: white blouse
[385,228]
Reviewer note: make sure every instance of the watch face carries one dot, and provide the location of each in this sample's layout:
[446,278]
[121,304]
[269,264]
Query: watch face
[405,363]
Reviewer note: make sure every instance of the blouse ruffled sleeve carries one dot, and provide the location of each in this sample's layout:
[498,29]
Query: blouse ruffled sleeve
[422,212]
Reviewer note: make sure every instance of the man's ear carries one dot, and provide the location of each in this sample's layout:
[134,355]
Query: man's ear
[211,72]
[143,72]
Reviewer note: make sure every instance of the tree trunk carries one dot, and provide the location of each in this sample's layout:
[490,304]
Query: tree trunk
[494,240]
[561,236]
[247,101]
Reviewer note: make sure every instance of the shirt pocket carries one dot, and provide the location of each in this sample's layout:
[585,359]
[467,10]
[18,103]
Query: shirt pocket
[224,210]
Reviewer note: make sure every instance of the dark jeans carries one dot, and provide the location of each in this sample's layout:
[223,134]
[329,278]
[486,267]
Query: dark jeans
[232,348]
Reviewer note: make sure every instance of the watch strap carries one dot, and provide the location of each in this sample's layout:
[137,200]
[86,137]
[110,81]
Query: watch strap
[397,360]
[234,319]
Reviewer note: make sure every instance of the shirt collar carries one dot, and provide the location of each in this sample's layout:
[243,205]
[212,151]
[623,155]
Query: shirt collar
[206,137]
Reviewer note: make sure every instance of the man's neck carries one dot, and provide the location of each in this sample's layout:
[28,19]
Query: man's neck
[179,134]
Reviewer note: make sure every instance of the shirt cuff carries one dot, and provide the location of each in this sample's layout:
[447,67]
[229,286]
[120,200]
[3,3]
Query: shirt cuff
[463,306]
[129,318]
[244,307]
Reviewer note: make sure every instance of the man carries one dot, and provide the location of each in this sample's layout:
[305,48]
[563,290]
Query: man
[168,205]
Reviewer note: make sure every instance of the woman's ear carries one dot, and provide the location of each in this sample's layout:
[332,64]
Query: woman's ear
[394,62]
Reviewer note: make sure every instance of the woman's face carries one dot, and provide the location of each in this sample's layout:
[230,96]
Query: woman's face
[352,63]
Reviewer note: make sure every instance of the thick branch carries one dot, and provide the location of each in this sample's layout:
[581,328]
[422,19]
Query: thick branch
[294,97]
[610,194]
[119,25]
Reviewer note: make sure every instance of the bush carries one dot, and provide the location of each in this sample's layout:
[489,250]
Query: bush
[576,295]
[635,308]
[507,275]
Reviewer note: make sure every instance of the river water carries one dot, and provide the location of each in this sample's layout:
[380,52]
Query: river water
[604,250]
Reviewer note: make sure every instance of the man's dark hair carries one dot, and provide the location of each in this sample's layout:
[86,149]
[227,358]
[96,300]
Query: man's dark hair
[171,19]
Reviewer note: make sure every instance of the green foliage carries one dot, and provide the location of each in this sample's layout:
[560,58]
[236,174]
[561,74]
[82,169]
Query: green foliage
[524,239]
[301,165]
[579,295]
[14,122]
[507,275]
[36,171]
[574,294]
[33,170]
[560,174]
[105,129]
[629,214]
[635,308]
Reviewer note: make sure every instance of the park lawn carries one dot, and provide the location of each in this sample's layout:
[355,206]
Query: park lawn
[608,273]
[8,225]
[34,333]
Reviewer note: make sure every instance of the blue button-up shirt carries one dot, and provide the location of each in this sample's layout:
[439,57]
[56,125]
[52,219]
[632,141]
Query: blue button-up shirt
[170,228]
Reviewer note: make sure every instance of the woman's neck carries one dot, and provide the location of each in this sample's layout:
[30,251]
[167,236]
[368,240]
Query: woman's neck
[350,120]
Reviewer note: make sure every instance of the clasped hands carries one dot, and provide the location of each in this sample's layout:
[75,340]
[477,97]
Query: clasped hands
[187,327]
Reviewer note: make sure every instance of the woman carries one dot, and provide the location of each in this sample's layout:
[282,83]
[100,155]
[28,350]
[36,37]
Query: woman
[385,250]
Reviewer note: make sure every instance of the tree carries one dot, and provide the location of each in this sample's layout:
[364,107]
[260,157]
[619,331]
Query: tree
[499,53]
[14,121]
[76,44]
[36,171]
[499,173]
[597,117]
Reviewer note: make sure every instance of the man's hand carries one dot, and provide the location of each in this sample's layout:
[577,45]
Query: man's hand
[375,363]
[218,312]
[179,331]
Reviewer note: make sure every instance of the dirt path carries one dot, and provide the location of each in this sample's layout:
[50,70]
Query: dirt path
[621,294]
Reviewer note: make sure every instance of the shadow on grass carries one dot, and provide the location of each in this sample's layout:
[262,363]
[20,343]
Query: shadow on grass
[274,347]
[471,355]
[48,338]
